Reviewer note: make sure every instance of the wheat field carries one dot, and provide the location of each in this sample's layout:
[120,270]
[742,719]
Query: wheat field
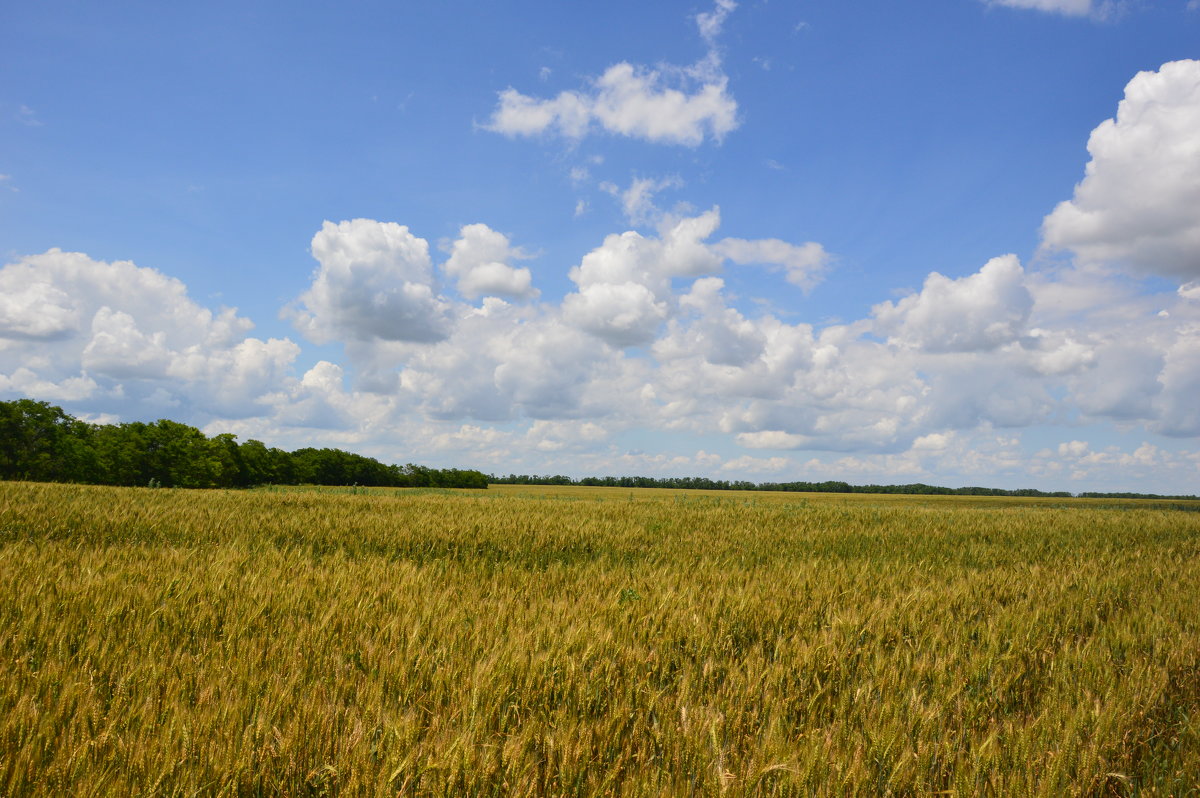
[594,642]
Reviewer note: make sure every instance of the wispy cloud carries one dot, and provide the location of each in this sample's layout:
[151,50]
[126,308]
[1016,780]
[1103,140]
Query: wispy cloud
[27,116]
[1097,9]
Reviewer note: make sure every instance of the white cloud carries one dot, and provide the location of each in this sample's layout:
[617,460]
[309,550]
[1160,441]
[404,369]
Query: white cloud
[967,363]
[27,383]
[1178,404]
[1113,468]
[756,465]
[624,285]
[773,439]
[668,105]
[1121,383]
[505,362]
[556,436]
[1057,353]
[719,334]
[28,117]
[624,314]
[637,201]
[711,22]
[119,349]
[478,262]
[1075,449]
[965,360]
[933,442]
[35,310]
[1070,8]
[803,264]
[73,328]
[375,281]
[1137,202]
[569,114]
[637,102]
[980,312]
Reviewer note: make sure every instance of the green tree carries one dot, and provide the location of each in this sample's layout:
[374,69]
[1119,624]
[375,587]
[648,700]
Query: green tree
[39,441]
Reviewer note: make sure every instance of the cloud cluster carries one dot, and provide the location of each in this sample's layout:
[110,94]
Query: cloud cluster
[976,313]
[375,281]
[666,105]
[650,343]
[898,390]
[479,264]
[1136,205]
[803,264]
[624,285]
[626,100]
[128,337]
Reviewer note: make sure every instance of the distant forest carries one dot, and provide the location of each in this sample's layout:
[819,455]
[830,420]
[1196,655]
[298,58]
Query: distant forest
[704,483]
[41,443]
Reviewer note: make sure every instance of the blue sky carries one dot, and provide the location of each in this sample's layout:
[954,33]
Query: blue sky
[954,242]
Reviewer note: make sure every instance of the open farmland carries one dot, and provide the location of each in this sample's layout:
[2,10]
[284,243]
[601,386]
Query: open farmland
[546,641]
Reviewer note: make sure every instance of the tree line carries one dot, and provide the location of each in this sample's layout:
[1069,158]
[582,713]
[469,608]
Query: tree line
[39,442]
[830,486]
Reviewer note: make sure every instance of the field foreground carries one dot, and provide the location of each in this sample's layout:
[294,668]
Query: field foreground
[542,641]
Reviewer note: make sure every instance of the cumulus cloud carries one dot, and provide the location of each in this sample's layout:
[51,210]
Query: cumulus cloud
[557,436]
[1178,403]
[35,310]
[624,285]
[989,350]
[506,362]
[777,385]
[1057,353]
[624,314]
[668,105]
[119,349]
[936,383]
[965,359]
[479,263]
[1136,204]
[1122,382]
[25,382]
[626,100]
[1112,467]
[804,264]
[980,312]
[711,331]
[375,281]
[73,328]
[756,465]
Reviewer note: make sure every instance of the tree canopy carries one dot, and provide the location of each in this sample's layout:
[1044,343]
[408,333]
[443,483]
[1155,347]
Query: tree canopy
[41,443]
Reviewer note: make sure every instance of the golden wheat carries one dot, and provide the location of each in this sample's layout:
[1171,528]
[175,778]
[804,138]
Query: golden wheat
[567,641]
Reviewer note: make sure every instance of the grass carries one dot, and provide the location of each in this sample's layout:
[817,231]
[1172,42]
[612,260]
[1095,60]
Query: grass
[533,640]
